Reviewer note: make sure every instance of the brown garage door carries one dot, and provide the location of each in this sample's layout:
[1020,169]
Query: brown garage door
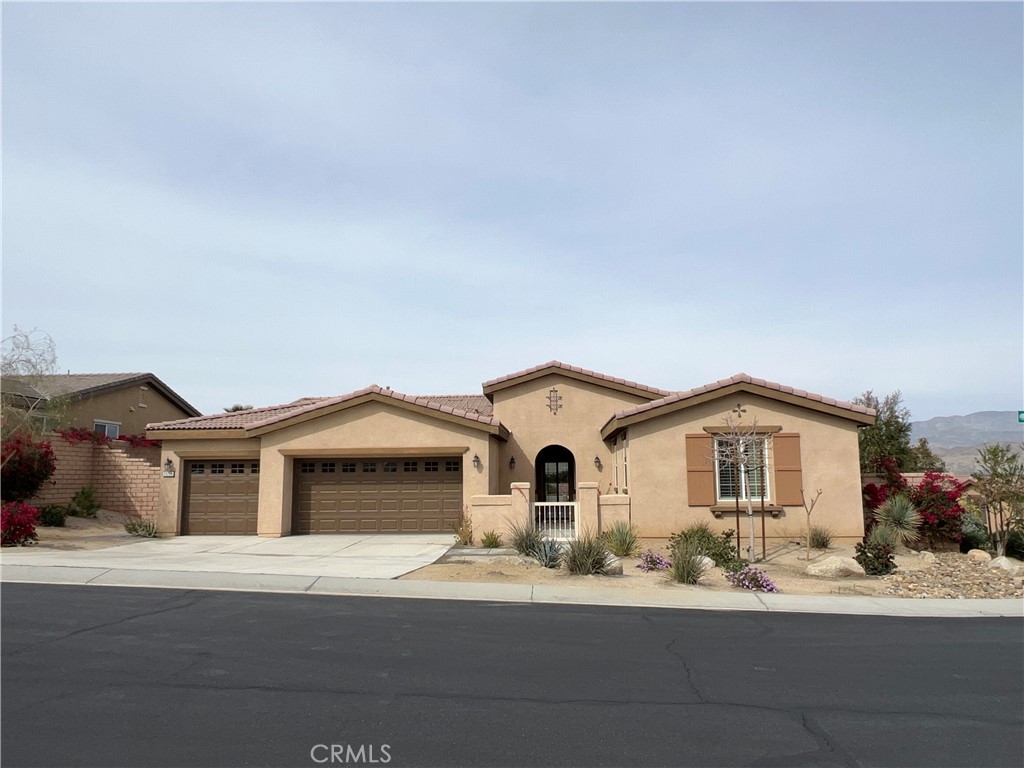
[402,495]
[221,496]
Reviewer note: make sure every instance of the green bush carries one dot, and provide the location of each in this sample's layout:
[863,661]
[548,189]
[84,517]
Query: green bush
[974,533]
[882,535]
[53,516]
[586,555]
[490,540]
[524,538]
[549,553]
[687,561]
[139,526]
[821,537]
[84,503]
[875,559]
[719,548]
[621,539]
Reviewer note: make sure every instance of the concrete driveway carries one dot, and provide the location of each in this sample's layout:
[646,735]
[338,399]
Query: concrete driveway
[347,556]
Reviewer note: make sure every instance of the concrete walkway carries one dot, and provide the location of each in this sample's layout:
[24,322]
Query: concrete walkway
[368,566]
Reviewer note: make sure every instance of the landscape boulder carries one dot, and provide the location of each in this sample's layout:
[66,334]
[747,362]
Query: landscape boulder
[835,567]
[614,565]
[979,555]
[707,562]
[1012,565]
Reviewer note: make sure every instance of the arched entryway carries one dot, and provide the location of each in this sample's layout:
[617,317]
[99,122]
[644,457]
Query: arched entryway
[556,474]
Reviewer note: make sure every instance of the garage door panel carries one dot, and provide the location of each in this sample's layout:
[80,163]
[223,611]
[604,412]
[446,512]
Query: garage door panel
[221,498]
[377,495]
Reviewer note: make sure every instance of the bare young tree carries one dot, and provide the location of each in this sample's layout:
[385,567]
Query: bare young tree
[808,509]
[740,450]
[28,356]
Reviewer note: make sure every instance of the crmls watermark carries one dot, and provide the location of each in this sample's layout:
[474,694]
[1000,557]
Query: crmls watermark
[350,754]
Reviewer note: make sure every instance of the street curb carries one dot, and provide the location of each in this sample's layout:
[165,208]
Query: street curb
[542,594]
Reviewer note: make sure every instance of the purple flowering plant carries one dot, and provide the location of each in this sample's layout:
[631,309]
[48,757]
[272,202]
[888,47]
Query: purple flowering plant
[751,578]
[652,561]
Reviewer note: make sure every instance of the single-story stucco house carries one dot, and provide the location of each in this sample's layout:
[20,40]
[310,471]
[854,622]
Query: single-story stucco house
[554,444]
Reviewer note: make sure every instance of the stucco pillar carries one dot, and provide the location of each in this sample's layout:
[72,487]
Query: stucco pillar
[168,515]
[275,504]
[586,497]
[521,502]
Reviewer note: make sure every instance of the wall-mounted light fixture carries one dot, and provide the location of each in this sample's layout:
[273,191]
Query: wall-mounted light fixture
[597,462]
[476,461]
[512,462]
[168,468]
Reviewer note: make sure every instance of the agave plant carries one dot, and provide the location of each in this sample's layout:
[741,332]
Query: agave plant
[549,553]
[900,516]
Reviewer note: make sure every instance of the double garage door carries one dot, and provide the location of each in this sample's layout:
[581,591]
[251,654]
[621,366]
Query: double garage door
[363,495]
[377,495]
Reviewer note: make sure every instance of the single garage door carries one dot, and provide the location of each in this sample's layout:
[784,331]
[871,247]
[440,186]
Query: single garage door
[374,495]
[221,497]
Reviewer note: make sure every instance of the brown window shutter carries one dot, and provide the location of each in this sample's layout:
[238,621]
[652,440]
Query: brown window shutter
[700,470]
[788,474]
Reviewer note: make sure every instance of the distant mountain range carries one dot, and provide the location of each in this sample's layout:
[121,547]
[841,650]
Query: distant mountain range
[956,439]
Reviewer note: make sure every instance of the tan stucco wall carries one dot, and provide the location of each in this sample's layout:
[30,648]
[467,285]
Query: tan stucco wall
[585,408]
[172,489]
[829,460]
[370,429]
[122,405]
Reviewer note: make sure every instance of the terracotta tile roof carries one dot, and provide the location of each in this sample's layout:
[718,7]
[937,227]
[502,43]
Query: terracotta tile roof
[577,369]
[456,405]
[742,378]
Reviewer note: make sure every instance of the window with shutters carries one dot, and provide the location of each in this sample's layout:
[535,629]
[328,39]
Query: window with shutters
[731,482]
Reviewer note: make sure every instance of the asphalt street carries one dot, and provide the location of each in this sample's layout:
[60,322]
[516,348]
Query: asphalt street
[104,676]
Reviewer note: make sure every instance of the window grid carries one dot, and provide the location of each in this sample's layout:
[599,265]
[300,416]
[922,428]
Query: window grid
[451,465]
[327,467]
[216,469]
[430,466]
[390,466]
[198,469]
[238,469]
[411,466]
[308,467]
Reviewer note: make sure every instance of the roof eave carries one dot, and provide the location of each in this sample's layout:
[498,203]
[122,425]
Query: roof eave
[496,385]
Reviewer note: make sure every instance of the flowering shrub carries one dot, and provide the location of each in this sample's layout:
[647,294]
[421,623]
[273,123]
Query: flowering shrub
[78,435]
[139,441]
[751,578]
[26,466]
[18,524]
[936,497]
[652,561]
[875,558]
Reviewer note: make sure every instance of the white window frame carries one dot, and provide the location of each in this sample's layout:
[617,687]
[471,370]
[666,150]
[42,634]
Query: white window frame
[100,425]
[741,481]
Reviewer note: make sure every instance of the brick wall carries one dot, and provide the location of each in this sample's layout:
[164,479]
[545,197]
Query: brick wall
[126,479]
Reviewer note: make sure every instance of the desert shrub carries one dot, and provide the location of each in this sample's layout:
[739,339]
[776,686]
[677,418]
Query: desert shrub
[18,524]
[586,555]
[1015,544]
[84,503]
[688,563]
[621,539]
[490,540]
[549,553]
[751,578]
[876,559]
[882,535]
[900,516]
[975,534]
[821,537]
[524,538]
[463,532]
[140,526]
[79,435]
[53,516]
[652,561]
[27,464]
[719,548]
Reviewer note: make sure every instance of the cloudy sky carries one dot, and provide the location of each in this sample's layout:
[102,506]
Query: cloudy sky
[258,202]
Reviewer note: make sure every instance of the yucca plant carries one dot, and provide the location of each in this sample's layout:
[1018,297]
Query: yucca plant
[901,516]
[621,539]
[490,540]
[524,538]
[549,553]
[586,555]
[882,536]
[687,562]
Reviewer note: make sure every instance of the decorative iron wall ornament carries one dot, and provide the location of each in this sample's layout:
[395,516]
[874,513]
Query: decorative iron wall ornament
[554,401]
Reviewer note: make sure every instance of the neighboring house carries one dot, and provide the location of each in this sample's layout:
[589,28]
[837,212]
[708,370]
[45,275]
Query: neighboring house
[554,444]
[112,403]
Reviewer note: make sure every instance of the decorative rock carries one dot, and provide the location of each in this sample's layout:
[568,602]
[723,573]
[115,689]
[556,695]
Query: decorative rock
[1013,566]
[926,557]
[614,565]
[707,562]
[834,567]
[956,576]
[980,555]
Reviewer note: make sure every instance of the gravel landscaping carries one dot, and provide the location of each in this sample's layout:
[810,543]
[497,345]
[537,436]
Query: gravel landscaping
[954,576]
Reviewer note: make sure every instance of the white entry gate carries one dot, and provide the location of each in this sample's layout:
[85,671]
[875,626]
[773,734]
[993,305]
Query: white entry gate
[556,519]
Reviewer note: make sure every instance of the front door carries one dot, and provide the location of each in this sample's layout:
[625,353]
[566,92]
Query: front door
[556,475]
